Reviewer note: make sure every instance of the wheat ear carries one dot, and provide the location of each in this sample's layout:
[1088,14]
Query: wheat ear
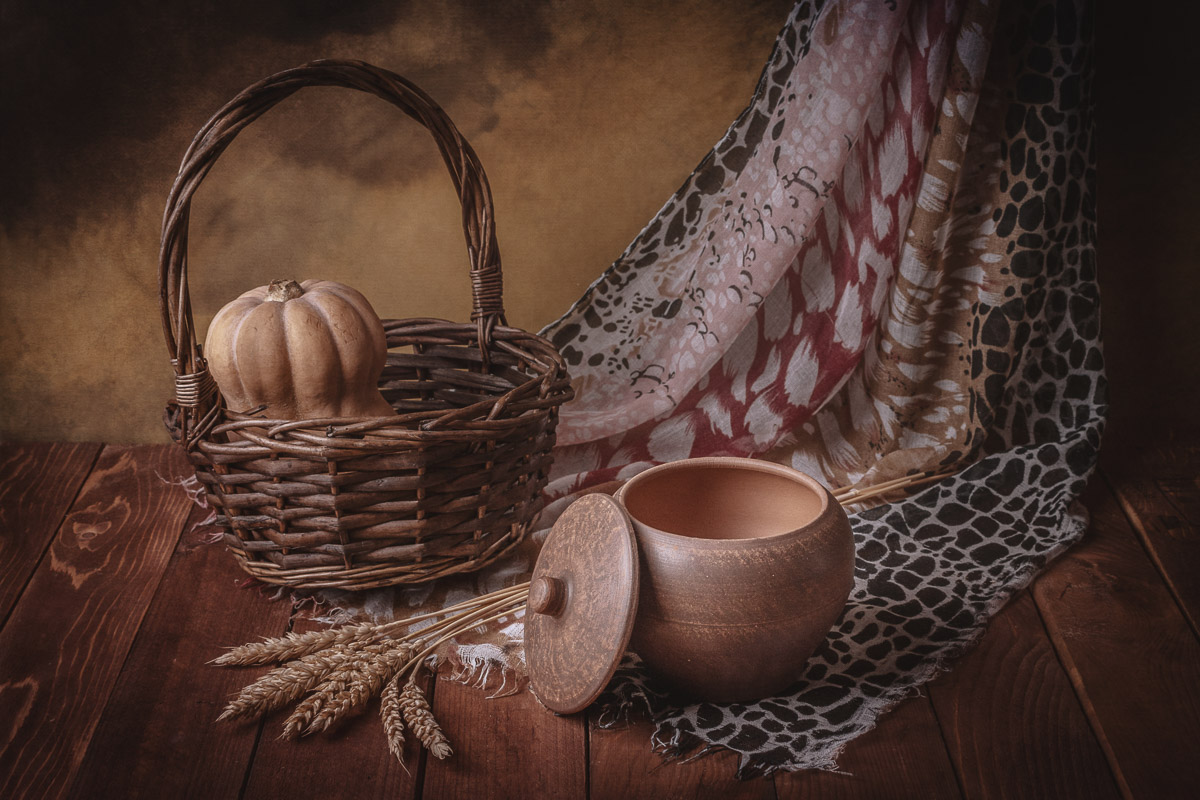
[284,684]
[347,688]
[363,683]
[420,720]
[849,496]
[393,718]
[295,645]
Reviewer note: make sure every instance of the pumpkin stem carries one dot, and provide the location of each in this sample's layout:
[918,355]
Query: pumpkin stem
[283,290]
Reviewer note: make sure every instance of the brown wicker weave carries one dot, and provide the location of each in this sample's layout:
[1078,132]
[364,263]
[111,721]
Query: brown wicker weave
[447,486]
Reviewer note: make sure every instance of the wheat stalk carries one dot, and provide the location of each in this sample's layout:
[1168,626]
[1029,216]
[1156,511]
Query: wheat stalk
[294,645]
[421,722]
[345,667]
[346,688]
[393,718]
[284,684]
[850,496]
[297,645]
[363,683]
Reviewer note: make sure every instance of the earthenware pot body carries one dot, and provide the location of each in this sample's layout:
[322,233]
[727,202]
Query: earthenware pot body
[745,565]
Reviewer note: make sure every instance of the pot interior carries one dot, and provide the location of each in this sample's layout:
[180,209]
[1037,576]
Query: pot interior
[721,501]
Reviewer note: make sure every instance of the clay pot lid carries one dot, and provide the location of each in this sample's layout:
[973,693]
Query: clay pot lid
[582,603]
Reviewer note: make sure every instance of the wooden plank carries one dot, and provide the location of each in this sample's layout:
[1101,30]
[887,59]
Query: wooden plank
[37,484]
[1160,495]
[1184,494]
[623,765]
[1170,538]
[1010,718]
[1131,656]
[903,757]
[352,761]
[157,736]
[505,747]
[70,632]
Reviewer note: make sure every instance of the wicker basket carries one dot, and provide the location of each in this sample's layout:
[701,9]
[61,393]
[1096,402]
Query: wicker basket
[447,486]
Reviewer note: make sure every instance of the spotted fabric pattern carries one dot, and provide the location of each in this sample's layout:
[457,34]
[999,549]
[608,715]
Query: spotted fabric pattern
[688,341]
[1008,302]
[929,572]
[1008,288]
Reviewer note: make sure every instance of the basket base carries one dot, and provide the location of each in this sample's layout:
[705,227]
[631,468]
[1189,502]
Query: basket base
[369,576]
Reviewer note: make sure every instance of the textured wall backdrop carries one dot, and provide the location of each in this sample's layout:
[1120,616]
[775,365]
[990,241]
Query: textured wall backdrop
[587,116]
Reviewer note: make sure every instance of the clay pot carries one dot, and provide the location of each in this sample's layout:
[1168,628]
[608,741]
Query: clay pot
[745,565]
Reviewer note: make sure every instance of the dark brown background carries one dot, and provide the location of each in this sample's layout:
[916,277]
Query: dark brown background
[1147,132]
[587,115]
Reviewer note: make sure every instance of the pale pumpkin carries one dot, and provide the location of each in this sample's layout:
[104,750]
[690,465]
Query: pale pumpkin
[304,350]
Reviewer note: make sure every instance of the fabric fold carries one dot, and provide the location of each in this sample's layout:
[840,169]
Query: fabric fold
[651,329]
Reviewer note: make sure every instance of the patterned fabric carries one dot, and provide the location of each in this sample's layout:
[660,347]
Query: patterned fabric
[887,265]
[921,293]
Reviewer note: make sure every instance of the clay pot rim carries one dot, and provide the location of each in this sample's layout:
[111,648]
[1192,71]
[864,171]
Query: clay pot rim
[736,462]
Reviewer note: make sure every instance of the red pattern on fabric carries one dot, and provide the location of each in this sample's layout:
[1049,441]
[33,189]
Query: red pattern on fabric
[802,341]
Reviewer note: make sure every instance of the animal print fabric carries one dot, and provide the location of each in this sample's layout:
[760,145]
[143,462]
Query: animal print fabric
[870,276]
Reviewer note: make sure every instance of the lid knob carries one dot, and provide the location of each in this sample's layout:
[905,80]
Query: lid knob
[547,596]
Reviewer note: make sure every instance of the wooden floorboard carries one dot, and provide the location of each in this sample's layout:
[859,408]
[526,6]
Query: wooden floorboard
[1159,491]
[157,736]
[505,747]
[623,765]
[903,757]
[1085,687]
[1011,720]
[38,482]
[1130,653]
[350,761]
[69,634]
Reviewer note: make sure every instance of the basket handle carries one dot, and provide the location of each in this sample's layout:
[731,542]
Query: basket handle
[193,386]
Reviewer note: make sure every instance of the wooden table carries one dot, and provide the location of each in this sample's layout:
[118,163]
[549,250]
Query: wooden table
[1086,685]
